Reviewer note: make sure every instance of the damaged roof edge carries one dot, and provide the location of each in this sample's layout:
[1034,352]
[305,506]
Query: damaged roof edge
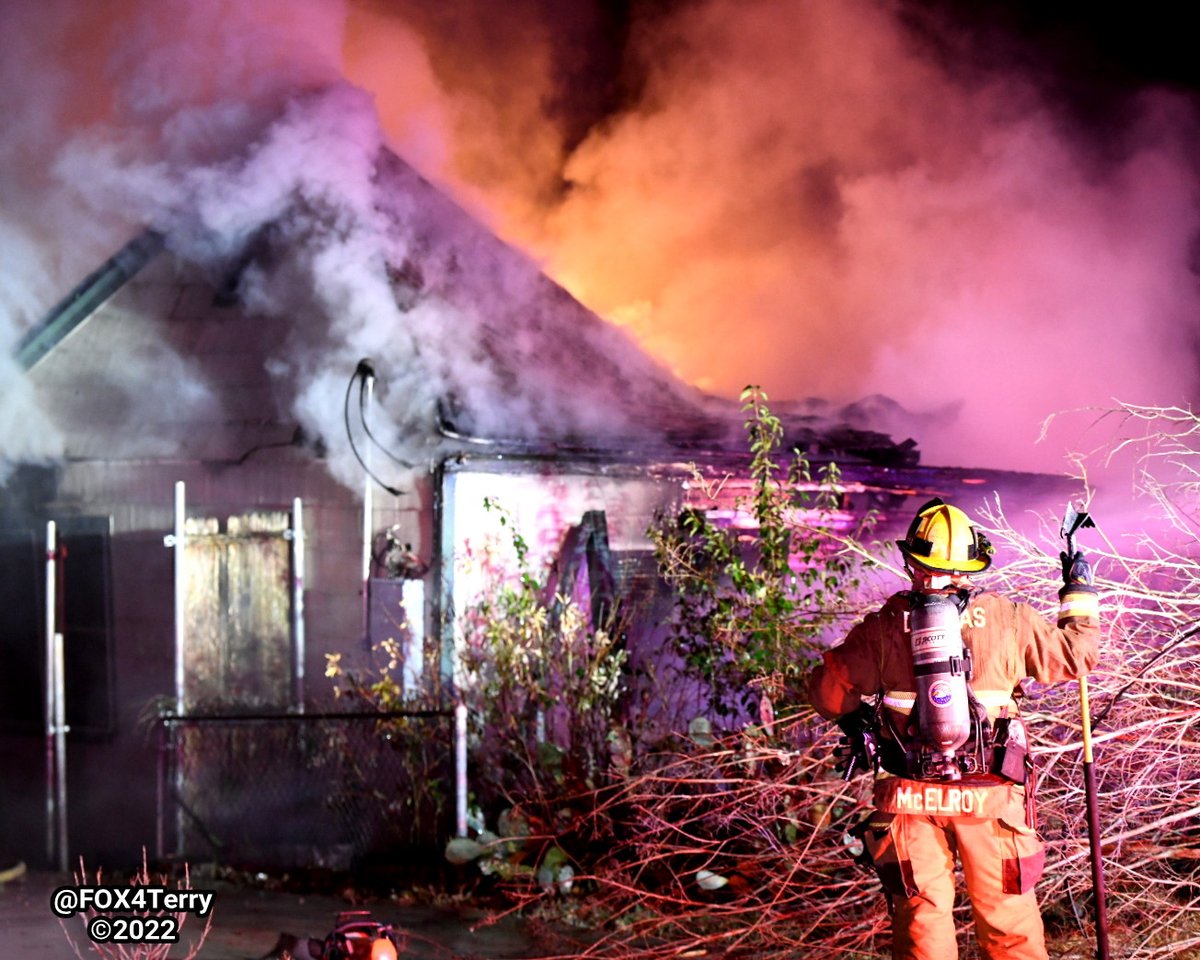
[911,480]
[88,297]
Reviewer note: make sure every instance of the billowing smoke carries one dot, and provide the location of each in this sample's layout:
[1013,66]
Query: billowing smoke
[806,196]
[793,194]
[114,115]
[284,186]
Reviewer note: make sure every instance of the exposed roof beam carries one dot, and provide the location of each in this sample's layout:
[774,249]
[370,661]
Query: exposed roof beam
[87,298]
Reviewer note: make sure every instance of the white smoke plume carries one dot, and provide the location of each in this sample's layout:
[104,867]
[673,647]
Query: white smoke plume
[112,114]
[297,172]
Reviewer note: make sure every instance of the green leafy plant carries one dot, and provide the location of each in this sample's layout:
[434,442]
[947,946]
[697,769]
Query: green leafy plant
[541,681]
[754,595]
[414,729]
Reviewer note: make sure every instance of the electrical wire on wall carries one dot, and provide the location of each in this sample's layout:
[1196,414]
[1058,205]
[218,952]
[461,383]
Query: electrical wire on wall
[363,374]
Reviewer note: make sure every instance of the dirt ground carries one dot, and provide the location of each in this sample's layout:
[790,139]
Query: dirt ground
[247,923]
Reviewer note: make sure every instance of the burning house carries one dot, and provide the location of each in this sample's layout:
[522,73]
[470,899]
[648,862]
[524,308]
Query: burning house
[273,428]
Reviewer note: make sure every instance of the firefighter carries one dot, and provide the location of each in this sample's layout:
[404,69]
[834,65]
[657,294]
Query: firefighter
[945,738]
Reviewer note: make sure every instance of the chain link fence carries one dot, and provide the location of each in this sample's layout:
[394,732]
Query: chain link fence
[321,790]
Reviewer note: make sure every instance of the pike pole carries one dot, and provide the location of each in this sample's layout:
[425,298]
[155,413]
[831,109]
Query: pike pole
[1072,521]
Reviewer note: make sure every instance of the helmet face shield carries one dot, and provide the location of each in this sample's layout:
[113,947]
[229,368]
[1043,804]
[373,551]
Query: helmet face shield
[942,539]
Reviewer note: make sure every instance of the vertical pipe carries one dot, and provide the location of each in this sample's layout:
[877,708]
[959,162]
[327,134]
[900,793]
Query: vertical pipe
[298,640]
[51,628]
[60,750]
[447,588]
[451,661]
[460,768]
[180,544]
[368,530]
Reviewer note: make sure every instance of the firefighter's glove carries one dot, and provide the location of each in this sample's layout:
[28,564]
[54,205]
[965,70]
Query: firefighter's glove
[1078,599]
[1075,569]
[855,752]
[850,755]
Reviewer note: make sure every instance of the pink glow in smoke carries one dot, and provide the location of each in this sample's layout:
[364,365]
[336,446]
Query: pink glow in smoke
[803,199]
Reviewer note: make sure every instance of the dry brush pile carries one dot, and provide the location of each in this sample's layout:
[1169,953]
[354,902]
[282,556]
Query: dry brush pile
[1145,697]
[740,847]
[730,848]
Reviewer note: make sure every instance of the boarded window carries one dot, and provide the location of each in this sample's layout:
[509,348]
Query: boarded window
[238,648]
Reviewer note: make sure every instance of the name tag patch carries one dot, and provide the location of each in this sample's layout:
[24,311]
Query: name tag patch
[942,800]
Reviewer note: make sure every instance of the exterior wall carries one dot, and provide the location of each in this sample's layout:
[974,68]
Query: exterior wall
[112,779]
[168,382]
[543,498]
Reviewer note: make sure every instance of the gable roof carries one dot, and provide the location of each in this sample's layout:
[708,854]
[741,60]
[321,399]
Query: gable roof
[170,350]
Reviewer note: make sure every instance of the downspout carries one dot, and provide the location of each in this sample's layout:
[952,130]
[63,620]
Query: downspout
[51,689]
[368,517]
[443,620]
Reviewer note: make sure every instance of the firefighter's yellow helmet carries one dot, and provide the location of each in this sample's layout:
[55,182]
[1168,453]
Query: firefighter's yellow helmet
[942,538]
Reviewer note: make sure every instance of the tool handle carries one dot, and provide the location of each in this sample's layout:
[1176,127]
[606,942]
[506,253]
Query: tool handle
[1101,905]
[1093,818]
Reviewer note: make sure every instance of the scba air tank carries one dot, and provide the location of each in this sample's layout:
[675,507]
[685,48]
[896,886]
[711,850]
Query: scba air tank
[940,667]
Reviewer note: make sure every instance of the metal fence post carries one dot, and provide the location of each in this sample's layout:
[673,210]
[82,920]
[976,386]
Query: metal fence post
[298,640]
[178,541]
[60,751]
[51,628]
